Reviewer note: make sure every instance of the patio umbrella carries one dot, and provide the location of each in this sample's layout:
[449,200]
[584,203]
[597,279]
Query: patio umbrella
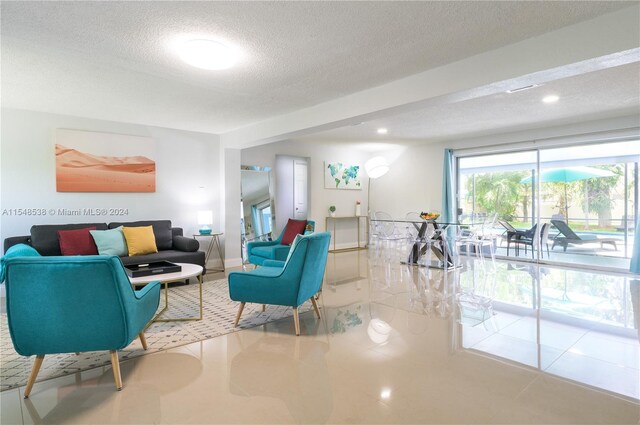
[569,174]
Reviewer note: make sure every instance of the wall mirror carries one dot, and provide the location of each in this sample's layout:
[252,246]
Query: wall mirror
[256,204]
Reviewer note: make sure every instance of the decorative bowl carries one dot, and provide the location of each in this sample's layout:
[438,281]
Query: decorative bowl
[429,215]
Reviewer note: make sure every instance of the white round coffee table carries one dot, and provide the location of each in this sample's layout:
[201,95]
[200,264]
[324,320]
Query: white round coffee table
[188,271]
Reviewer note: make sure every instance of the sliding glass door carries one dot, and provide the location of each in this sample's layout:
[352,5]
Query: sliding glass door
[584,197]
[494,197]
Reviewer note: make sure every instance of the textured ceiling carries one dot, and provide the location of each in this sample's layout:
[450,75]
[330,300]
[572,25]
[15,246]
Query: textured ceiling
[113,60]
[595,95]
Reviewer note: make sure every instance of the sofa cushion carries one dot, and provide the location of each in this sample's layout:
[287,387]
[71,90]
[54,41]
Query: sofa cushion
[185,244]
[294,227]
[170,255]
[293,246]
[77,242]
[110,242]
[161,231]
[44,237]
[140,240]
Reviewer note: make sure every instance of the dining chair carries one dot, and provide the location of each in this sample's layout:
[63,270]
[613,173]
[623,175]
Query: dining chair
[388,234]
[477,237]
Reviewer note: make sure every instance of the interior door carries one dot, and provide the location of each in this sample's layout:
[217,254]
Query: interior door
[300,189]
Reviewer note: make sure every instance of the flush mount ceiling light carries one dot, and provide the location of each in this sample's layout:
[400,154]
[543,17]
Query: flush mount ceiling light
[208,54]
[382,131]
[550,99]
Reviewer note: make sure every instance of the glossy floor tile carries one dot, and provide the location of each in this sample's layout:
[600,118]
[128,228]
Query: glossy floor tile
[503,343]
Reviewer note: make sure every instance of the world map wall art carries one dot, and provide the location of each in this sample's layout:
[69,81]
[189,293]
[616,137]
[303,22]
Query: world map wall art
[88,161]
[339,175]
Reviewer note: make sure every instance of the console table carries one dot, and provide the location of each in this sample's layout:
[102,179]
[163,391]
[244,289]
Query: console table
[343,218]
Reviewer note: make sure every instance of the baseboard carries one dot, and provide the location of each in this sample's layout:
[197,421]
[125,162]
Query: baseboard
[233,262]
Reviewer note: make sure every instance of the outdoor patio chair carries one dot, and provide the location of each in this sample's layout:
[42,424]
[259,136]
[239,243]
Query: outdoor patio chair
[512,235]
[568,236]
[536,240]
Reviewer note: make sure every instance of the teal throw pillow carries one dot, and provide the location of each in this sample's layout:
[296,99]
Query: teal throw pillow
[293,245]
[19,250]
[110,242]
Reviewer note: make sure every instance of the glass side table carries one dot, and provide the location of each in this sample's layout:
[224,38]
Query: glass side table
[215,240]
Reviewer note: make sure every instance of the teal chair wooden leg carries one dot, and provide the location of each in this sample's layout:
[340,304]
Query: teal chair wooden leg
[115,365]
[315,306]
[34,374]
[143,340]
[239,314]
[296,320]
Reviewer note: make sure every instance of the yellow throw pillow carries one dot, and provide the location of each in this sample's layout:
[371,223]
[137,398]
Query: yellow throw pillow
[140,240]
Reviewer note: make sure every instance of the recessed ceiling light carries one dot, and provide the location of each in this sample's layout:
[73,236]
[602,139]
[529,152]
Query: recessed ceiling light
[550,99]
[208,54]
[382,131]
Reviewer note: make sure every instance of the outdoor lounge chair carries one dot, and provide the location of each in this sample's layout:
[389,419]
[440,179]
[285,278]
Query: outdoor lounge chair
[568,236]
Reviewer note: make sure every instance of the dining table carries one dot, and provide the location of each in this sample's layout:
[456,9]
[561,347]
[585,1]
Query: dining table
[436,242]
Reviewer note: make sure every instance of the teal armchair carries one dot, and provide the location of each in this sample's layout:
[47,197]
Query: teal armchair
[259,251]
[74,304]
[290,283]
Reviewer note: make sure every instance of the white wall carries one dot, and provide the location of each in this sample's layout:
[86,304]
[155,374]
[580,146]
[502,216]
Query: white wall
[283,198]
[319,198]
[187,179]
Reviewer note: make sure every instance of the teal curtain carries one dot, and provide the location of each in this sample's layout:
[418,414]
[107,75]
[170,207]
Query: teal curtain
[257,225]
[635,257]
[448,201]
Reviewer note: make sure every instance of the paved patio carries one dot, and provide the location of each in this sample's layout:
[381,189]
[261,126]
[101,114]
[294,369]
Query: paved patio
[591,255]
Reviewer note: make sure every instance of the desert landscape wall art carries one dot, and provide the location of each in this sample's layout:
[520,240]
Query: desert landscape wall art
[88,161]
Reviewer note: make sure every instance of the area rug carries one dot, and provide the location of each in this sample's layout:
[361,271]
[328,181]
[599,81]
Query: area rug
[218,316]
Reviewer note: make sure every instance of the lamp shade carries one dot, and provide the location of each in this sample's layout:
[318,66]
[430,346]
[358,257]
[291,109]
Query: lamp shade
[376,167]
[205,217]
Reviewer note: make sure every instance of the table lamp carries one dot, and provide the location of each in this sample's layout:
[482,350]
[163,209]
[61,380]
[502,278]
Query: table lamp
[205,218]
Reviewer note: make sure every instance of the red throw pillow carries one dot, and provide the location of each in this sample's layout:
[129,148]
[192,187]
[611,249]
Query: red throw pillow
[77,242]
[294,227]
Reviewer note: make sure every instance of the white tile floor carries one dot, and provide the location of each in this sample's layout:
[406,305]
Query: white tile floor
[389,349]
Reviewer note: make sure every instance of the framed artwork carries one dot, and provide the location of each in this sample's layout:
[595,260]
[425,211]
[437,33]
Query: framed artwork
[88,161]
[339,175]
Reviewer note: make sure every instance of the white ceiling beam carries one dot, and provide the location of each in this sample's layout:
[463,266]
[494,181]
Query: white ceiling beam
[603,42]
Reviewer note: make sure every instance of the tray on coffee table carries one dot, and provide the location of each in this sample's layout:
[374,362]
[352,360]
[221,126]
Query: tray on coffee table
[158,267]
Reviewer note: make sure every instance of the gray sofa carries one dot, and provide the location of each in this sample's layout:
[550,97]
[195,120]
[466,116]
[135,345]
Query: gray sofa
[172,245]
